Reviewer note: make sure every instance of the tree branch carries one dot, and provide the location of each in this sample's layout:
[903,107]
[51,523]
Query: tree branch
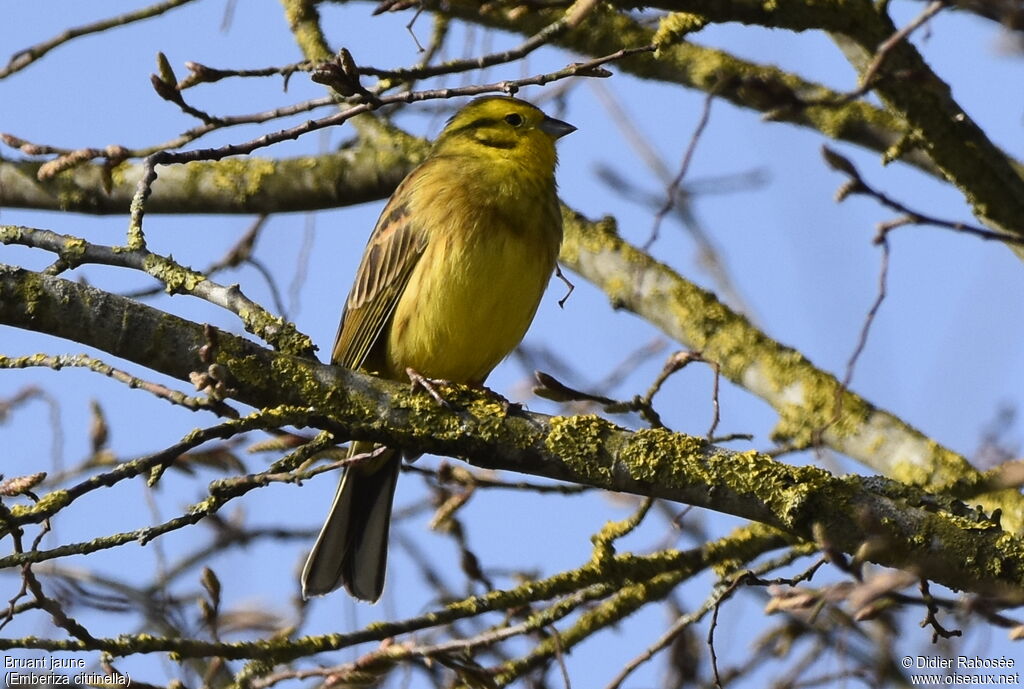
[608,573]
[990,181]
[23,58]
[880,520]
[781,95]
[369,170]
[804,395]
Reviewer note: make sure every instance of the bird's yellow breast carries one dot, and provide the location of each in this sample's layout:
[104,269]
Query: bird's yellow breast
[477,286]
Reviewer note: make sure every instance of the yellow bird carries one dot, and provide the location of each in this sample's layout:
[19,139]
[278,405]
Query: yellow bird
[448,285]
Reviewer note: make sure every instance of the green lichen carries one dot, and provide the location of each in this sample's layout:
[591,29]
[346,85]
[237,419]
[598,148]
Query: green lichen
[239,178]
[675,26]
[73,250]
[119,174]
[69,195]
[252,371]
[304,22]
[604,540]
[579,442]
[490,415]
[281,334]
[594,237]
[627,600]
[655,456]
[11,234]
[789,493]
[31,292]
[50,503]
[741,546]
[815,408]
[176,278]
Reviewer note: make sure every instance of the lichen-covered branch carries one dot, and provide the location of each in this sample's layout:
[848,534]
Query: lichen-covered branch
[59,499]
[887,522]
[725,554]
[177,279]
[304,22]
[781,95]
[988,178]
[804,395]
[369,170]
[26,56]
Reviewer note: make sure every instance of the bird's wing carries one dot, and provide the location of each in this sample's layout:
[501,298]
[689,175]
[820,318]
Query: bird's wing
[394,249]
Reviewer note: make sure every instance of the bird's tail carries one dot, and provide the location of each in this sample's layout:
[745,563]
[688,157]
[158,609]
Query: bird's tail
[352,548]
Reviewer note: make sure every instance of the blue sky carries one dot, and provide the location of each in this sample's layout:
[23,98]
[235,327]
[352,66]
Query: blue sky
[944,353]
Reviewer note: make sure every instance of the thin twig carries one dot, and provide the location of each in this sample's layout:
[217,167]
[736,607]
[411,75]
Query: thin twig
[870,77]
[857,185]
[677,628]
[136,239]
[560,656]
[68,158]
[23,58]
[85,361]
[73,251]
[541,38]
[264,419]
[862,341]
[931,618]
[673,188]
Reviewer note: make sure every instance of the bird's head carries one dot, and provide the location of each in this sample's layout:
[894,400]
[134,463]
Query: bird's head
[503,128]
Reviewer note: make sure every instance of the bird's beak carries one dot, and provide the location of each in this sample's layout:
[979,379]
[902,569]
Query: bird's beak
[556,128]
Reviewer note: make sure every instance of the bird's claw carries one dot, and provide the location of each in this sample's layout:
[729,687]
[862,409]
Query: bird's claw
[420,381]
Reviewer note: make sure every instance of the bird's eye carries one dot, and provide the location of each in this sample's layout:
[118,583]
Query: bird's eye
[514,119]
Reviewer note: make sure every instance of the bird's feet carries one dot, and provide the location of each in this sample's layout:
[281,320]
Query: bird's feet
[419,381]
[507,406]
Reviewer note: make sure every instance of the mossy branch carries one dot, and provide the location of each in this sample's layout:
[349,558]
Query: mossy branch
[955,148]
[176,278]
[369,170]
[989,179]
[725,554]
[304,22]
[880,520]
[804,396]
[781,95]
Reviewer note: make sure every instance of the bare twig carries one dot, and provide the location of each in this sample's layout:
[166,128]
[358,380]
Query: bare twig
[56,431]
[541,38]
[862,339]
[869,75]
[85,361]
[931,616]
[136,239]
[23,58]
[683,623]
[857,185]
[73,251]
[673,188]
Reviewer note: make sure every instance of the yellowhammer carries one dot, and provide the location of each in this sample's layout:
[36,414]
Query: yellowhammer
[448,284]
